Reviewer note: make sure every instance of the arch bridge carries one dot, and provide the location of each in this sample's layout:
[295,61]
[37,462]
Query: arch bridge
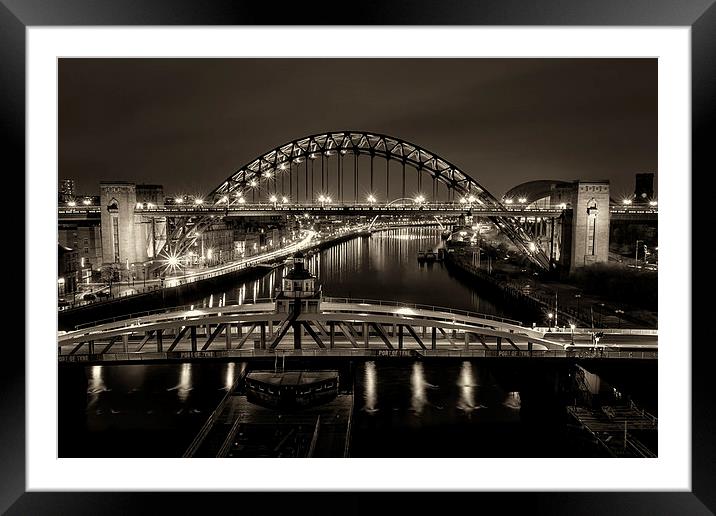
[349,168]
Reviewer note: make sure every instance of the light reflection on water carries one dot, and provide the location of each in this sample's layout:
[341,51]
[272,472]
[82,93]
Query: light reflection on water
[184,386]
[95,385]
[382,266]
[418,388]
[230,376]
[467,385]
[370,393]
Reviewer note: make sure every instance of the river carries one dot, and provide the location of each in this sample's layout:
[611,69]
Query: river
[449,408]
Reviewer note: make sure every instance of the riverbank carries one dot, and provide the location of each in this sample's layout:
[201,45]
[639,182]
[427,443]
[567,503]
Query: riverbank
[567,303]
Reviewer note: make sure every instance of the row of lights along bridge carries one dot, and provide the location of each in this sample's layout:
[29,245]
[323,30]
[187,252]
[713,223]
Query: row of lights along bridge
[325,199]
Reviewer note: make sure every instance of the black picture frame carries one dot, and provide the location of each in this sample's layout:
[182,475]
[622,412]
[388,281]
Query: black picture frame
[17,15]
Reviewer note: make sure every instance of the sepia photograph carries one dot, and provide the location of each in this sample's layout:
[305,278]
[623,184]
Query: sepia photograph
[357,257]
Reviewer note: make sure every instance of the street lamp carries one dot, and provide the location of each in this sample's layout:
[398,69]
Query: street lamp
[550,316]
[371,198]
[571,326]
[578,297]
[619,315]
[636,254]
[419,199]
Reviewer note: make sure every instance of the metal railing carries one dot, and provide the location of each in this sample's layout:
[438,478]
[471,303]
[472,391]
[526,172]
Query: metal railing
[418,306]
[588,331]
[191,450]
[244,308]
[357,353]
[173,310]
[314,439]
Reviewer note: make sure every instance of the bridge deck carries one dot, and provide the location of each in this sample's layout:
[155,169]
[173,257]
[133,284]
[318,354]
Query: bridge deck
[354,325]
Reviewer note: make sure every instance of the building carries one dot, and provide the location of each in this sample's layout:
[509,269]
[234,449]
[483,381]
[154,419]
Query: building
[86,239]
[299,291]
[67,271]
[128,236]
[66,191]
[580,236]
[149,194]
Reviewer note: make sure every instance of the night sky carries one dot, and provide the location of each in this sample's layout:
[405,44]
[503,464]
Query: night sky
[189,123]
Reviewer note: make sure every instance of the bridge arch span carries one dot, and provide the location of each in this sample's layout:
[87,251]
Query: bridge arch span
[267,168]
[268,177]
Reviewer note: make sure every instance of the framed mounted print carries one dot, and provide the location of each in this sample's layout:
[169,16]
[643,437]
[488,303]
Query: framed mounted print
[397,255]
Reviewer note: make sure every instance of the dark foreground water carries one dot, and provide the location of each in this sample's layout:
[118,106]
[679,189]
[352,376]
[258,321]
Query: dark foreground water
[403,407]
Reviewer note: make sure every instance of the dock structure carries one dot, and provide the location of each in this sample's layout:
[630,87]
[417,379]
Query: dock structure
[239,428]
[614,427]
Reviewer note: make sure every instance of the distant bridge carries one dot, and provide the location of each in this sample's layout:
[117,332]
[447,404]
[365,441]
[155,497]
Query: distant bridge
[617,212]
[343,327]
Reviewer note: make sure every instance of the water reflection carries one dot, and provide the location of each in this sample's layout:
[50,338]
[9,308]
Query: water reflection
[467,385]
[229,377]
[418,388]
[96,385]
[354,269]
[370,392]
[184,386]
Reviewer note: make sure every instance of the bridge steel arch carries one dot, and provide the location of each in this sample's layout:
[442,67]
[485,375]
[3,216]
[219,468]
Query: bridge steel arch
[264,172]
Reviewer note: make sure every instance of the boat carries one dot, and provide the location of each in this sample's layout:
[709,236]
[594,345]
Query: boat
[291,390]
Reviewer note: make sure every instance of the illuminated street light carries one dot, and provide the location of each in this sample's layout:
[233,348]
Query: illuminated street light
[224,199]
[198,201]
[522,200]
[653,203]
[273,199]
[71,203]
[463,200]
[282,166]
[508,201]
[472,198]
[284,200]
[267,174]
[371,199]
[619,315]
[86,202]
[179,200]
[626,202]
[253,183]
[242,200]
[420,199]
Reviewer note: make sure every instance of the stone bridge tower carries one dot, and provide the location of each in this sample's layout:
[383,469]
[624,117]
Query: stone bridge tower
[590,224]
